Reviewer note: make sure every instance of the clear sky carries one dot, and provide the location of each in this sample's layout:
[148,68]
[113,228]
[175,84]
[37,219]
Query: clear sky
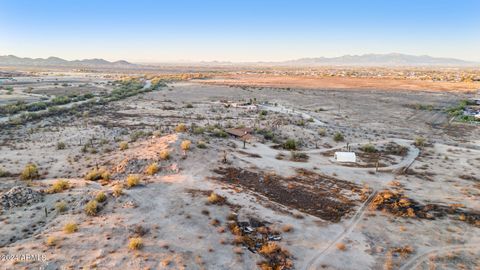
[238,30]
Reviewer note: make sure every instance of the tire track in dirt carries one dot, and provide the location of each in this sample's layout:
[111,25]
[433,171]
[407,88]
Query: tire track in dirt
[352,224]
[417,260]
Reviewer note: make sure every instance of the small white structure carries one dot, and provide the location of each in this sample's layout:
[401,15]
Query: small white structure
[345,157]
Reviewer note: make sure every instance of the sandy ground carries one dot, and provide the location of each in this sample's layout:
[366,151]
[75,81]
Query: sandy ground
[182,230]
[304,82]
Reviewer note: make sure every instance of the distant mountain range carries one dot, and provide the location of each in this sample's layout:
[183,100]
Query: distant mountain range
[392,59]
[12,60]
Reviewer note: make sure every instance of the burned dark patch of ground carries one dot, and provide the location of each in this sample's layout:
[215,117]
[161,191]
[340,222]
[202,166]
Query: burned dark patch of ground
[318,195]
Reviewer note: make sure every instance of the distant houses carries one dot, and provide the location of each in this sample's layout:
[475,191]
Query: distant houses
[241,105]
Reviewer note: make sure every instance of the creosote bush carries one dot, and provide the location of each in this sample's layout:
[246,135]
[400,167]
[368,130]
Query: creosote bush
[30,172]
[135,243]
[133,180]
[420,142]
[368,148]
[70,227]
[290,144]
[91,208]
[123,145]
[61,146]
[201,145]
[338,137]
[152,169]
[101,197]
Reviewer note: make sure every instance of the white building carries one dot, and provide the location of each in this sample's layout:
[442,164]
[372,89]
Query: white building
[345,157]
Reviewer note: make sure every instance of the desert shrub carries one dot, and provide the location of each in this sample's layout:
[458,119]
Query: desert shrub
[70,227]
[338,137]
[59,186]
[123,145]
[91,208]
[185,145]
[61,206]
[138,134]
[181,128]
[287,228]
[220,133]
[420,141]
[30,172]
[290,144]
[269,248]
[135,243]
[201,145]
[322,132]
[100,197]
[152,169]
[368,148]
[51,241]
[189,106]
[4,173]
[341,246]
[214,198]
[298,156]
[198,130]
[263,112]
[61,146]
[164,154]
[117,191]
[97,174]
[133,180]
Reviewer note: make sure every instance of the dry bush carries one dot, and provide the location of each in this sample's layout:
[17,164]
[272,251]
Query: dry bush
[61,206]
[214,198]
[185,145]
[269,248]
[341,246]
[181,128]
[123,146]
[59,186]
[152,169]
[420,142]
[51,241]
[91,208]
[133,180]
[135,243]
[100,197]
[117,191]
[201,145]
[164,154]
[70,227]
[322,132]
[287,228]
[97,174]
[30,172]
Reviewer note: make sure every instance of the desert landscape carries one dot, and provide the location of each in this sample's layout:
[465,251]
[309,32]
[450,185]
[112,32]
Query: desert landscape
[180,171]
[240,135]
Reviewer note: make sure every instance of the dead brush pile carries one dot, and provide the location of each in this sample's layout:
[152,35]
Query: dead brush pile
[259,238]
[398,204]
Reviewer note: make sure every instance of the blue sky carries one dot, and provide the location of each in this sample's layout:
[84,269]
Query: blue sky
[238,30]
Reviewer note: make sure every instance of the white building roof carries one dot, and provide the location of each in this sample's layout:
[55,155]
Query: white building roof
[345,157]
